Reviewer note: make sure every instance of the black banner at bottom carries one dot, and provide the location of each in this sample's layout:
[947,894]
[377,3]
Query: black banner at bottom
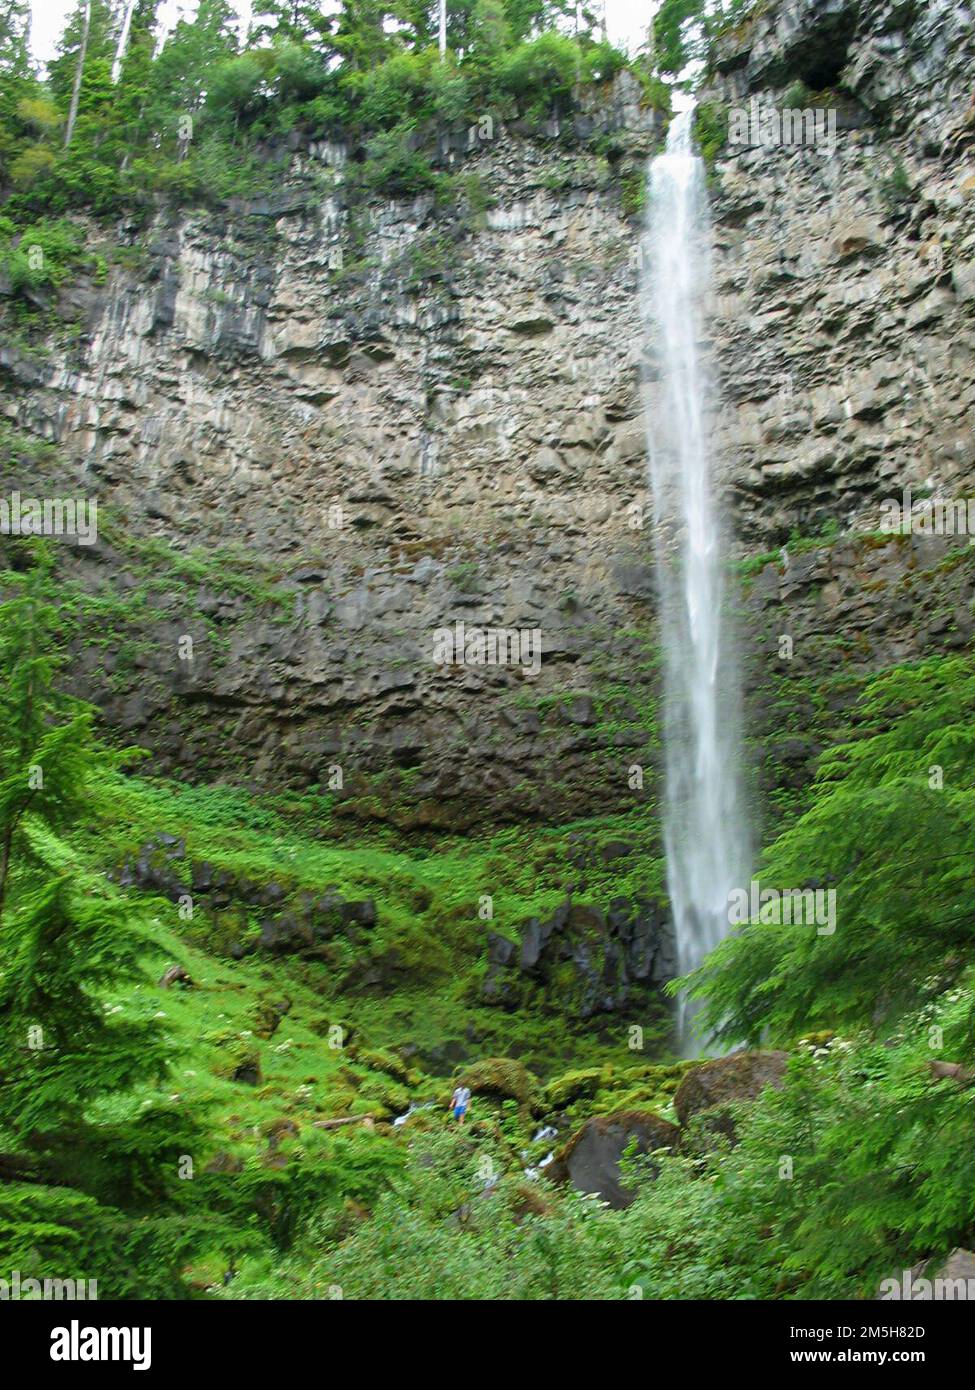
[171,1339]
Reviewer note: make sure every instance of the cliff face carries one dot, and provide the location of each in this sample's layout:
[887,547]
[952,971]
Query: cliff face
[413,415]
[844,281]
[391,415]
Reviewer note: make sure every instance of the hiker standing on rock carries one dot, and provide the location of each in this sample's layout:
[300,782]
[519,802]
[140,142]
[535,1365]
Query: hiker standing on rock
[459,1102]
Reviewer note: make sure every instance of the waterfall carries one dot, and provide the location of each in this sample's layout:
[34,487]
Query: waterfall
[705,835]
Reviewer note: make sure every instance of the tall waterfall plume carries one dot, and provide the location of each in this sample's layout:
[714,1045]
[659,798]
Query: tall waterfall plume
[705,834]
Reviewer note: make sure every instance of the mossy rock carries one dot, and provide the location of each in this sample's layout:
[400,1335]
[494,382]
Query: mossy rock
[269,1015]
[636,1098]
[387,1062]
[243,1064]
[386,1099]
[503,1078]
[337,1102]
[322,1027]
[710,1091]
[666,1077]
[640,1088]
[573,1085]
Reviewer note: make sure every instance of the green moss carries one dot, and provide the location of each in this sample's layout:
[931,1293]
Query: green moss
[572,1085]
[710,129]
[503,1078]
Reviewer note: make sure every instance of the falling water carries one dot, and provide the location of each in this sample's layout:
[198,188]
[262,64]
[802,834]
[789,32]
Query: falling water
[705,836]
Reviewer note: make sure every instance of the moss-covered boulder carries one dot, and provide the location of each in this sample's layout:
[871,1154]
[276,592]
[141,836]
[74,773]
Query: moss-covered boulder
[572,1085]
[713,1089]
[379,1060]
[241,1064]
[590,1161]
[504,1079]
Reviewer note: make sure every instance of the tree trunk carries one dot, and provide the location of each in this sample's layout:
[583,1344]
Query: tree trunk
[76,90]
[123,41]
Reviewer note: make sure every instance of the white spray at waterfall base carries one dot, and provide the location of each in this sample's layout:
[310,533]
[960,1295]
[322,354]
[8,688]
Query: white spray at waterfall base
[705,834]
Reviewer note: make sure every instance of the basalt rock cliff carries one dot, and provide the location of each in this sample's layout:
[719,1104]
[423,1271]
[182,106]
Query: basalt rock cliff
[390,415]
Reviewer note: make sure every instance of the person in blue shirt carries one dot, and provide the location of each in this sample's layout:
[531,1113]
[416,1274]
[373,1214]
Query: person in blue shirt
[459,1102]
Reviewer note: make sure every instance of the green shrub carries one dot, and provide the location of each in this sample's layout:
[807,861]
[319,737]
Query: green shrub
[381,96]
[710,129]
[41,256]
[542,74]
[395,167]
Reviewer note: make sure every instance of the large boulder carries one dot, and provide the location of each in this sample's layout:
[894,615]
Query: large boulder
[590,1161]
[502,1078]
[715,1087]
[572,1085]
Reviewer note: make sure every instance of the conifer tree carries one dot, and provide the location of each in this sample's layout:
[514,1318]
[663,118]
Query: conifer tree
[45,738]
[187,60]
[17,81]
[135,73]
[65,942]
[80,76]
[891,831]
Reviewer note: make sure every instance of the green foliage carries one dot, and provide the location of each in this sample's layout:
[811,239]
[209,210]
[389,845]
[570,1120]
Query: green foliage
[710,129]
[439,1234]
[672,47]
[383,94]
[47,752]
[395,166]
[60,1233]
[796,96]
[236,87]
[634,192]
[892,830]
[835,1183]
[682,29]
[41,256]
[64,942]
[541,74]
